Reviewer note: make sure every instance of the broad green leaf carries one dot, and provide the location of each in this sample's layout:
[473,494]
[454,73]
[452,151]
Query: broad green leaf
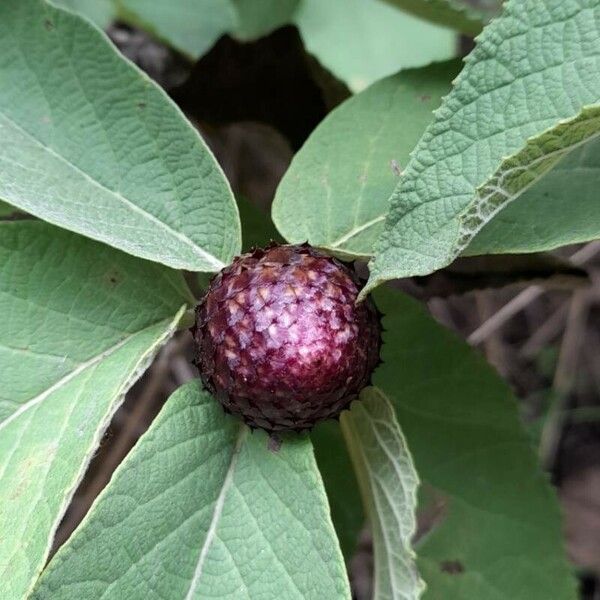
[81,321]
[191,26]
[340,484]
[92,145]
[100,12]
[456,14]
[336,192]
[361,41]
[491,524]
[494,520]
[388,482]
[202,508]
[561,208]
[519,105]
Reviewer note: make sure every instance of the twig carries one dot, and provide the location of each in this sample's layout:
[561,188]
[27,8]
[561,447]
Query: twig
[591,352]
[545,332]
[509,310]
[528,295]
[563,377]
[440,311]
[493,345]
[181,370]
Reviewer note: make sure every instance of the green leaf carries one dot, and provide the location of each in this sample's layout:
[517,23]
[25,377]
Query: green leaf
[191,26]
[202,508]
[456,14]
[361,41]
[495,520]
[92,145]
[560,209]
[518,106]
[388,482]
[100,12]
[335,193]
[81,323]
[491,524]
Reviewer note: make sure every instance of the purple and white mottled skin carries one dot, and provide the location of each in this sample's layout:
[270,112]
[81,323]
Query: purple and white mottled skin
[280,340]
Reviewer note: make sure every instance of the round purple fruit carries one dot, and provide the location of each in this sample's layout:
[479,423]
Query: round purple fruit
[280,339]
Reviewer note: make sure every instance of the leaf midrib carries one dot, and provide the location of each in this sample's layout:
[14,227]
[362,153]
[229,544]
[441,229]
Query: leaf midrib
[218,510]
[356,230]
[200,252]
[94,360]
[372,506]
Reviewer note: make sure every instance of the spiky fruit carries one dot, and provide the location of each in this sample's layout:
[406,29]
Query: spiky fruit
[280,340]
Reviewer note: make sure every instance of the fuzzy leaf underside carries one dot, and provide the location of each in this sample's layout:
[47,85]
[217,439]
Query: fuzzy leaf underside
[81,321]
[521,171]
[518,106]
[561,208]
[388,482]
[93,145]
[335,192]
[203,508]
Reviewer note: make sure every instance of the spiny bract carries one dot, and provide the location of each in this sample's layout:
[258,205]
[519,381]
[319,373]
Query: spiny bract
[280,340]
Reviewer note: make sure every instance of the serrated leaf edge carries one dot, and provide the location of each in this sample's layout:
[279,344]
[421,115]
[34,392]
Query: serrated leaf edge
[492,191]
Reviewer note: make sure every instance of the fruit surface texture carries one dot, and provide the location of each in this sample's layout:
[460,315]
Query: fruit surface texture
[280,339]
